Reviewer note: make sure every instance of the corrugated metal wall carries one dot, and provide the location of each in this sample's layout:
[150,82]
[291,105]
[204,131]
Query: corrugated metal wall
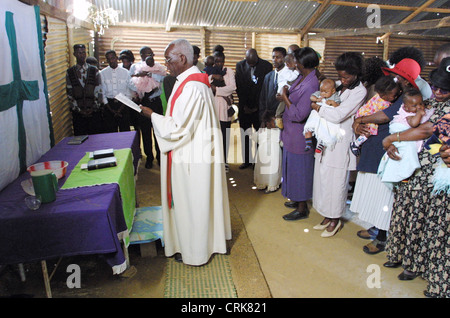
[57,59]
[84,36]
[368,46]
[265,42]
[334,47]
[234,43]
[57,62]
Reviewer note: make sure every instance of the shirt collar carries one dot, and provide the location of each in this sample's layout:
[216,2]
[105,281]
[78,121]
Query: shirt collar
[279,71]
[189,71]
[84,66]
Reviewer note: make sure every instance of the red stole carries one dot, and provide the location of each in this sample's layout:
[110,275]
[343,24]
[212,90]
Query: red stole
[199,77]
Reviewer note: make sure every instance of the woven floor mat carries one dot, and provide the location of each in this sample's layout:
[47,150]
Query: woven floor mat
[212,280]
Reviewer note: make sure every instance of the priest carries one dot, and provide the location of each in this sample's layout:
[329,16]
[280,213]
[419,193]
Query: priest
[196,213]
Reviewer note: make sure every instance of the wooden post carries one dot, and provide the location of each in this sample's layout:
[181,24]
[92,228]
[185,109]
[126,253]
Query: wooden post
[386,48]
[70,44]
[48,289]
[203,42]
[305,41]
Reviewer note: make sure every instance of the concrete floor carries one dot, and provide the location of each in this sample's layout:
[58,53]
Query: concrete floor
[269,257]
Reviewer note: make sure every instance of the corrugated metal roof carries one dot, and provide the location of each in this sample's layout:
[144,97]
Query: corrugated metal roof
[283,15]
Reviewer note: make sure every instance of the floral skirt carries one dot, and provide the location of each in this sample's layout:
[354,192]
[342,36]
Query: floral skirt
[419,234]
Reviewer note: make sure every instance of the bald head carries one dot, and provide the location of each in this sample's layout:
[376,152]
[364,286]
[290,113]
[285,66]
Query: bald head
[327,88]
[179,56]
[251,56]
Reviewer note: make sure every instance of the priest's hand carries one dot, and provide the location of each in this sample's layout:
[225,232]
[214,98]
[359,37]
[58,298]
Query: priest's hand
[146,111]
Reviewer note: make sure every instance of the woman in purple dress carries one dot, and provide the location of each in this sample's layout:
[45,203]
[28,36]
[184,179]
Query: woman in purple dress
[298,163]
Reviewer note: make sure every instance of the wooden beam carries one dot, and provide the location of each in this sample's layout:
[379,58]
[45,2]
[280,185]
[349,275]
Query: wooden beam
[208,28]
[386,6]
[421,25]
[317,14]
[410,17]
[173,6]
[444,23]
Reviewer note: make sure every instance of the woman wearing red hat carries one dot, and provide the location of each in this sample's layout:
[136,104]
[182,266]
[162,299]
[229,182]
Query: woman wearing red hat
[416,54]
[406,72]
[420,223]
[375,206]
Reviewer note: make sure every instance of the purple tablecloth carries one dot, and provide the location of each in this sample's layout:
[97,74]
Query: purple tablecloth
[81,221]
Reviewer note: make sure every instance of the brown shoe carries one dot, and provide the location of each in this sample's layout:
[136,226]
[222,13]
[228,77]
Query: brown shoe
[374,247]
[369,234]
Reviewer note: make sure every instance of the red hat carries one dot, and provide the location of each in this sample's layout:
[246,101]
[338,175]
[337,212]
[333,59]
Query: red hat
[406,68]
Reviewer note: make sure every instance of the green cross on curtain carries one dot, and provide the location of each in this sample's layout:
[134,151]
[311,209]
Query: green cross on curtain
[14,93]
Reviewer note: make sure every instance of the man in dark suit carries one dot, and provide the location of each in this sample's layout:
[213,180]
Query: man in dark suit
[267,99]
[250,74]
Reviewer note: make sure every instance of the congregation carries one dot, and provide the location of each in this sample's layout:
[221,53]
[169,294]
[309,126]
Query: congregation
[379,118]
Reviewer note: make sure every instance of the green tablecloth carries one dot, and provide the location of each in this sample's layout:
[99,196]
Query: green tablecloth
[123,174]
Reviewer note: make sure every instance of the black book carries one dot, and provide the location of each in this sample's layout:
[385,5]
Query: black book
[77,140]
[104,153]
[100,163]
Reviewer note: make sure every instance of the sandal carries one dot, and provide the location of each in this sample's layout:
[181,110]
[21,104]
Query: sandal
[369,234]
[374,247]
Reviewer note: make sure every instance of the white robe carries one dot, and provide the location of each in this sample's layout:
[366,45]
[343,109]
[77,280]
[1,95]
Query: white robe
[268,159]
[327,133]
[198,224]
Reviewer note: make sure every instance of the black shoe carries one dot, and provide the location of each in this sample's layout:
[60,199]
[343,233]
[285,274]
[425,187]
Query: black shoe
[426,293]
[406,276]
[148,164]
[392,264]
[178,258]
[296,215]
[245,165]
[291,204]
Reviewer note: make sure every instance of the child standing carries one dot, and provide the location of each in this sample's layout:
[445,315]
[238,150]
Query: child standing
[387,91]
[326,133]
[285,79]
[411,114]
[267,174]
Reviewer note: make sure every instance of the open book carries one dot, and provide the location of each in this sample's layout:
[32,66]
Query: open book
[125,100]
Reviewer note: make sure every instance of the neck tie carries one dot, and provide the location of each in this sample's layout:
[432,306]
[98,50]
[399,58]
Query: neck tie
[276,80]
